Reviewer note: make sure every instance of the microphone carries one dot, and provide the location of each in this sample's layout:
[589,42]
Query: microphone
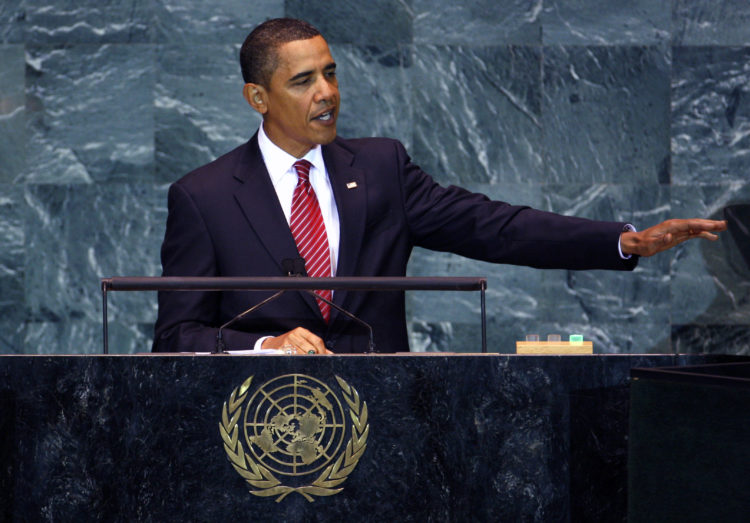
[296,267]
[292,267]
[371,342]
[220,347]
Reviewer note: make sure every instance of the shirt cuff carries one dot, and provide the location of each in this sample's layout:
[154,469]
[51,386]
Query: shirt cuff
[259,342]
[627,228]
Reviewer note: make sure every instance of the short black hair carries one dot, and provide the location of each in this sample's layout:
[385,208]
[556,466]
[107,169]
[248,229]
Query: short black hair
[259,55]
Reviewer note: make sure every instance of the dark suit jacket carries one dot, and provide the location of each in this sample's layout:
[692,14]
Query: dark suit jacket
[225,220]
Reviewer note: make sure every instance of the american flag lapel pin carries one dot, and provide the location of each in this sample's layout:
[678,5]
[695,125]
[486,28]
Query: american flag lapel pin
[351,185]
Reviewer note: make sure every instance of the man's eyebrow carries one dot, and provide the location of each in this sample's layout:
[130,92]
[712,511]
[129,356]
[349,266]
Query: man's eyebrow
[303,74]
[299,76]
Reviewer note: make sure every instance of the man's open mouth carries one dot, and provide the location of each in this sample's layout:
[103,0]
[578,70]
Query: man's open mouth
[325,117]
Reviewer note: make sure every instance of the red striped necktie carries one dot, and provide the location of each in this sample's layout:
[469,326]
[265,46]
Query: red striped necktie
[309,232]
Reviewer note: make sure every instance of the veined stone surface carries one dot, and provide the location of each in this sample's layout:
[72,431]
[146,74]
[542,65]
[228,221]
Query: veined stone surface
[200,113]
[386,23]
[88,21]
[634,112]
[376,91]
[710,115]
[706,22]
[482,22]
[76,235]
[607,22]
[606,114]
[12,112]
[477,113]
[90,113]
[12,259]
[194,21]
[710,282]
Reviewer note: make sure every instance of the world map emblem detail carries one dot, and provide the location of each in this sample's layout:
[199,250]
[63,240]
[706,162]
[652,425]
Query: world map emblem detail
[293,434]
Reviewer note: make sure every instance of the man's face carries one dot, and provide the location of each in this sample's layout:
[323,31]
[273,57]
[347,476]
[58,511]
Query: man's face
[301,103]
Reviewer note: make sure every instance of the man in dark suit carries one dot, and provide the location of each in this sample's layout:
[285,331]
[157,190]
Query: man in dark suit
[368,205]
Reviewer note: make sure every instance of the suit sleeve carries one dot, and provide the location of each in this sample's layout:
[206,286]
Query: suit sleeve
[188,321]
[470,224]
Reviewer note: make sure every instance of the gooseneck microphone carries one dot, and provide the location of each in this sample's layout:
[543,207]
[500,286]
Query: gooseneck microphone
[220,347]
[371,340]
[296,267]
[292,267]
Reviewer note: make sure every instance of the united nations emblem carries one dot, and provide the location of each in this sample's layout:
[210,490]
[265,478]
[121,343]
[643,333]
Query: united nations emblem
[295,429]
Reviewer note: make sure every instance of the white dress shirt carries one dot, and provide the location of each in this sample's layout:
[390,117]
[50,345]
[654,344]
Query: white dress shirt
[280,166]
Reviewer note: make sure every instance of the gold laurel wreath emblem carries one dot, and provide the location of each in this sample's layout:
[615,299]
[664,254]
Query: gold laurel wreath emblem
[263,479]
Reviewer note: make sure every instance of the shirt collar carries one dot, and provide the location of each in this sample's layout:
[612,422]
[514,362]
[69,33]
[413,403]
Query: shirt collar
[279,162]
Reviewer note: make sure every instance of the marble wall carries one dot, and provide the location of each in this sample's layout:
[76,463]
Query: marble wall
[633,111]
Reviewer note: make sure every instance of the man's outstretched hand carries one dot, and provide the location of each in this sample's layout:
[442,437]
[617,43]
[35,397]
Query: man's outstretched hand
[668,234]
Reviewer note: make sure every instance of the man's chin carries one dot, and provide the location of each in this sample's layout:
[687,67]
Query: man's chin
[328,136]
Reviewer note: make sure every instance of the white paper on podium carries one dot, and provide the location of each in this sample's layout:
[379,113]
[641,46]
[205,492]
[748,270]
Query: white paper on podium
[247,352]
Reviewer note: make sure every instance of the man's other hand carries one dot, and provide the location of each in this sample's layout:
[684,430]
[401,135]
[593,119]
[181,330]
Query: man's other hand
[668,234]
[297,341]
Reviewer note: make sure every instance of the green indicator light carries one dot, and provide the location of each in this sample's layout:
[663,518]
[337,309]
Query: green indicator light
[576,338]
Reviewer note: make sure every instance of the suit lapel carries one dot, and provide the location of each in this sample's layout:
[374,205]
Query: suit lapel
[350,193]
[260,205]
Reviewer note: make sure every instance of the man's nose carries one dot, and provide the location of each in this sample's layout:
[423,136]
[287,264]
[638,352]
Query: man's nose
[325,90]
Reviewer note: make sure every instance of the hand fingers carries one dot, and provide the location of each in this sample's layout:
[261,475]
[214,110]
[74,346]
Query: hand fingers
[692,233]
[291,350]
[667,234]
[697,225]
[709,236]
[678,231]
[307,342]
[302,341]
[708,225]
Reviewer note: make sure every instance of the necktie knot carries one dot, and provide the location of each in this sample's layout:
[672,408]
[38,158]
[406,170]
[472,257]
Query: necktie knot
[303,170]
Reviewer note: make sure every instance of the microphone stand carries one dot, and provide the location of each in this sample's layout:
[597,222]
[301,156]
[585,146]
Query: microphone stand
[295,267]
[371,342]
[220,347]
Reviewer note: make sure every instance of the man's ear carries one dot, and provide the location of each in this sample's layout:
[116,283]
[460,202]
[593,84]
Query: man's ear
[256,96]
